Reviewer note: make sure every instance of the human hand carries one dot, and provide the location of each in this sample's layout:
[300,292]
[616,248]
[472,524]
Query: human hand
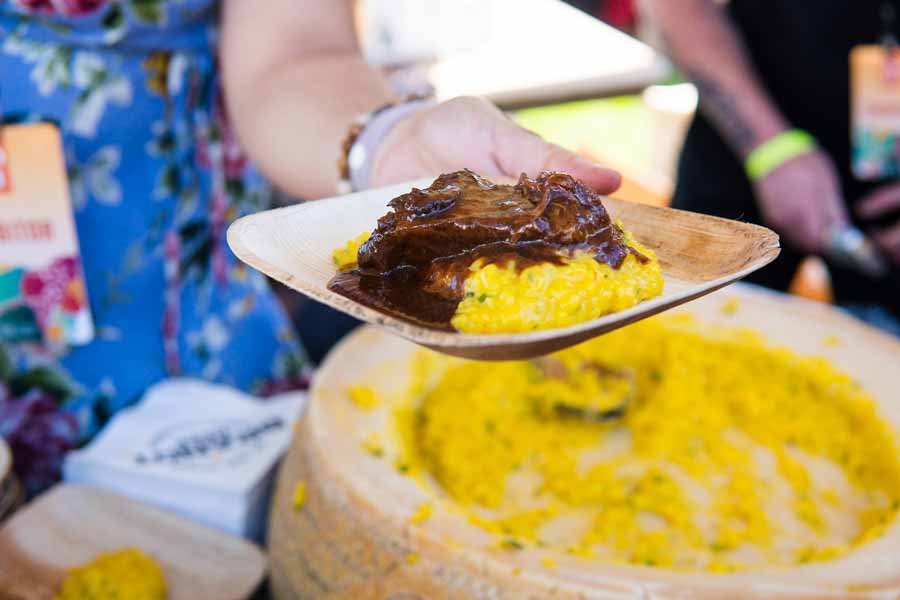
[879,203]
[802,200]
[472,133]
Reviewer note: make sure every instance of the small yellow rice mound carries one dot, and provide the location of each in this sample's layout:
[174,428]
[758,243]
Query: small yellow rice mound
[346,257]
[127,574]
[502,299]
[732,455]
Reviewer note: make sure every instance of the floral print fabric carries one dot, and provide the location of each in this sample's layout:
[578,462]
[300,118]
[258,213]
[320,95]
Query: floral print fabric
[155,176]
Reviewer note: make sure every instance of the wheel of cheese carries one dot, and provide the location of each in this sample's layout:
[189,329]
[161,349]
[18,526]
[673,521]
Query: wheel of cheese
[350,535]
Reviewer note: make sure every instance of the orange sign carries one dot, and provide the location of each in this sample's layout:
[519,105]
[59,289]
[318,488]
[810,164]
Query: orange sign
[42,291]
[5,181]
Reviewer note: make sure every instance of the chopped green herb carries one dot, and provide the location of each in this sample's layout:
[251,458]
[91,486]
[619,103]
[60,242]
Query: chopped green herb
[511,544]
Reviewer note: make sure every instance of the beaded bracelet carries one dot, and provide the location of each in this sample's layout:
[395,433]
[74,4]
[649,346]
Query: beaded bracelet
[364,136]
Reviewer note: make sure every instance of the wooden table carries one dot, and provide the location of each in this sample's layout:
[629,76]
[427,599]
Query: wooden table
[515,52]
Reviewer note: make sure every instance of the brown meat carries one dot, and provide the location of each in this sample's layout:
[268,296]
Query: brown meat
[435,234]
[461,212]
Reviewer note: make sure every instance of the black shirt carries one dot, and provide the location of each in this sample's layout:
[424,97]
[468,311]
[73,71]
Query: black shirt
[801,49]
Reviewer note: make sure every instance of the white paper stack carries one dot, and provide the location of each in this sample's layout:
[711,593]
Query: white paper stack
[205,451]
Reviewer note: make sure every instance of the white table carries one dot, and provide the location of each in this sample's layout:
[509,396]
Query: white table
[515,52]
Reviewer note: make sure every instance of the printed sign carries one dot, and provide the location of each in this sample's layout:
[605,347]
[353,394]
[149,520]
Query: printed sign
[42,292]
[875,111]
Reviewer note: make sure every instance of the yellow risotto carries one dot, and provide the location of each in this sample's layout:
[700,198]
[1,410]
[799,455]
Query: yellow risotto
[118,575]
[345,258]
[731,455]
[501,299]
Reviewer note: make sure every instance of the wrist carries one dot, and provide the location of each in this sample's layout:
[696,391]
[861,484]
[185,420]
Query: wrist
[776,151]
[366,135]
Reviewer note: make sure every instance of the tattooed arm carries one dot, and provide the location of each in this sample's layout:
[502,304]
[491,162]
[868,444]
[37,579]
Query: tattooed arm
[802,198]
[703,41]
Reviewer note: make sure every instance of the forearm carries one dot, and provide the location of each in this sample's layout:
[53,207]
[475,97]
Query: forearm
[703,41]
[293,123]
[292,103]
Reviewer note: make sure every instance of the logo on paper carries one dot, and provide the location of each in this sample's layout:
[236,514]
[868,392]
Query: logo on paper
[210,445]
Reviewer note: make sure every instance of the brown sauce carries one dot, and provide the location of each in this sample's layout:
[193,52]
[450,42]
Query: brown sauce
[414,265]
[406,301]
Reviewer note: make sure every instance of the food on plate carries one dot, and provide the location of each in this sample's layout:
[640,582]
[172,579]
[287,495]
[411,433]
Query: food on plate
[469,255]
[730,454]
[298,500]
[127,573]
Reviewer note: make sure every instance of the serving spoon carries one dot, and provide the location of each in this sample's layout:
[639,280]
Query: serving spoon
[698,254]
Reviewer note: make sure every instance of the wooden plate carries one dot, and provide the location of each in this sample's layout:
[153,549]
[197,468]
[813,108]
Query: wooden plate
[69,525]
[11,497]
[5,460]
[9,487]
[353,537]
[698,254]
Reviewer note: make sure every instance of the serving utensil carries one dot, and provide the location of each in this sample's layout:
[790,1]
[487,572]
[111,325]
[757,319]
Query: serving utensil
[850,248]
[697,253]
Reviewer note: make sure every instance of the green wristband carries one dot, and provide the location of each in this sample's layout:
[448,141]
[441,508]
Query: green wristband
[774,152]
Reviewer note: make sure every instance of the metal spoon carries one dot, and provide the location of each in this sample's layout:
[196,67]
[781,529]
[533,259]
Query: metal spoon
[849,247]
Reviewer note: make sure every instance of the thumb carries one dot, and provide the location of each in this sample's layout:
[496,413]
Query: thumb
[518,150]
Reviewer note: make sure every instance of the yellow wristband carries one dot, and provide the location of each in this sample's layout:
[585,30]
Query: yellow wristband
[773,153]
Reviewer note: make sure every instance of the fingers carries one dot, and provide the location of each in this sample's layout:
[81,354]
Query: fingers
[517,150]
[805,224]
[835,212]
[807,227]
[881,201]
[602,180]
[889,241]
[802,199]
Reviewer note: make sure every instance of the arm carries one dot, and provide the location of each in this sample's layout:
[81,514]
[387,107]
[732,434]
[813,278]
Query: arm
[294,81]
[801,198]
[703,41]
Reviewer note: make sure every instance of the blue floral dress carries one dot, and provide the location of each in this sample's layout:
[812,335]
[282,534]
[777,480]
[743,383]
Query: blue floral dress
[156,176]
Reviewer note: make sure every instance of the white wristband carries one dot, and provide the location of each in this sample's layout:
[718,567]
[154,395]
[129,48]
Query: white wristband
[376,127]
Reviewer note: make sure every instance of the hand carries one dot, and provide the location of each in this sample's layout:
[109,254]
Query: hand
[802,200]
[881,202]
[473,133]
